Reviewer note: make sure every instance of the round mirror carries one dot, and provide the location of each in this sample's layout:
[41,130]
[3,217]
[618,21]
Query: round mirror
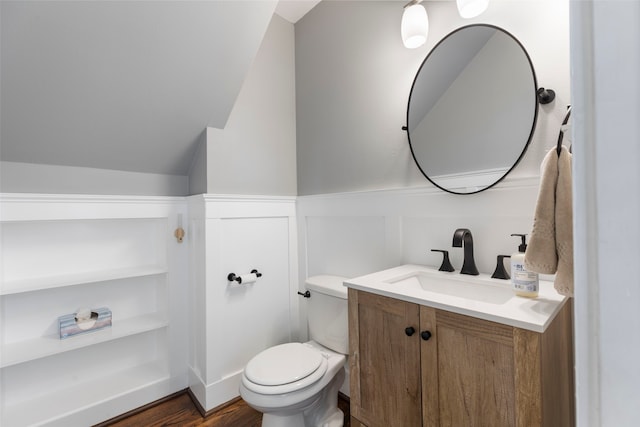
[472,109]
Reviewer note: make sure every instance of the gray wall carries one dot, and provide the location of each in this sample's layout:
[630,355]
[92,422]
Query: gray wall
[18,177]
[123,85]
[353,78]
[255,153]
[198,169]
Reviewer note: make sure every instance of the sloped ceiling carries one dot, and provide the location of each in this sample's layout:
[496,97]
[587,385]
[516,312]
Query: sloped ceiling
[294,10]
[124,85]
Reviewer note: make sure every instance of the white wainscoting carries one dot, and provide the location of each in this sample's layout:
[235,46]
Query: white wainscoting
[285,238]
[352,234]
[232,323]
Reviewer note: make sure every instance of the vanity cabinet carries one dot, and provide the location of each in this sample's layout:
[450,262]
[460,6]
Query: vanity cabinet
[413,365]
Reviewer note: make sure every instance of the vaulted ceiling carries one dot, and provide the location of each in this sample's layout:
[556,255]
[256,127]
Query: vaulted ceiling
[125,85]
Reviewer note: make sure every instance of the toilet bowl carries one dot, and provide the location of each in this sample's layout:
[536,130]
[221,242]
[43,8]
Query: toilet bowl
[308,395]
[297,384]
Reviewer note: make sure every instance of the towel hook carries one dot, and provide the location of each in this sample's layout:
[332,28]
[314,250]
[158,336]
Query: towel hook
[545,96]
[561,134]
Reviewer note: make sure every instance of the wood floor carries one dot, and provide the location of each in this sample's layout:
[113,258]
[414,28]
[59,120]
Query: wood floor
[179,410]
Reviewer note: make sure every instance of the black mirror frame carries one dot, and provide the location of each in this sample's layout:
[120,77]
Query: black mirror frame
[535,114]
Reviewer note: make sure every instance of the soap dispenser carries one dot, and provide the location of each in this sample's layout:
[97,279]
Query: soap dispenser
[524,282]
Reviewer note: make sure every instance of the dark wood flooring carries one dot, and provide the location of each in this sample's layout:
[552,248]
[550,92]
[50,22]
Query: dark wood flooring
[180,410]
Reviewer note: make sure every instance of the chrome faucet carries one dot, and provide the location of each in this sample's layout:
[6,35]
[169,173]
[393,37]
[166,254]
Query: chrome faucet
[463,235]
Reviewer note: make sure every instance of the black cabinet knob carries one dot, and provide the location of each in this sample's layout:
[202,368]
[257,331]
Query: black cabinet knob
[409,331]
[425,335]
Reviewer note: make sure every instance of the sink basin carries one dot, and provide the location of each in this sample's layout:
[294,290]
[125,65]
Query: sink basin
[455,286]
[478,296]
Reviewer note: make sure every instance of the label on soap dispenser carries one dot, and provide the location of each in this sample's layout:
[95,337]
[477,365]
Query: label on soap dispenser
[524,282]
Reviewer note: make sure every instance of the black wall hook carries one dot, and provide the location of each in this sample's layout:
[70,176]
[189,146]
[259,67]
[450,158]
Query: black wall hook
[561,134]
[545,96]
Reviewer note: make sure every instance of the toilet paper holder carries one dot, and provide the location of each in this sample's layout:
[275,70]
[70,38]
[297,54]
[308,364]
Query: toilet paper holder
[232,277]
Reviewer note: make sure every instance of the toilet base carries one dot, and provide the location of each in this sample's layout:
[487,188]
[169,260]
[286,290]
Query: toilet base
[324,412]
[276,420]
[335,420]
[297,420]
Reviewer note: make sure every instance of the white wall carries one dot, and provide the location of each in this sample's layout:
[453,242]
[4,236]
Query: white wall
[353,78]
[231,323]
[352,234]
[255,153]
[605,68]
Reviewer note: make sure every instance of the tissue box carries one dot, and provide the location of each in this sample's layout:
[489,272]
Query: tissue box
[69,325]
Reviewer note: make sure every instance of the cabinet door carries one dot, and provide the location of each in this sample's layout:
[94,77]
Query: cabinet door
[475,371]
[384,361]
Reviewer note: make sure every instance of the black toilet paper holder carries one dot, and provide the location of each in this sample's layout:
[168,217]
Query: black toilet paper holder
[231,277]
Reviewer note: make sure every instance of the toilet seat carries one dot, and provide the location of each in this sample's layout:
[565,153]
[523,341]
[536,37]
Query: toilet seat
[284,368]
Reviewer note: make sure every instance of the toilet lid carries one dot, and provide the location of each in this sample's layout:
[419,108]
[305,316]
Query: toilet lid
[283,364]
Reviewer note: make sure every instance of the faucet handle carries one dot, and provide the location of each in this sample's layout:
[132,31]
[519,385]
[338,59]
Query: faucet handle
[446,264]
[500,272]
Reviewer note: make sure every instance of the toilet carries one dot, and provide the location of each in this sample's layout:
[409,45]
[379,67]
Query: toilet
[296,384]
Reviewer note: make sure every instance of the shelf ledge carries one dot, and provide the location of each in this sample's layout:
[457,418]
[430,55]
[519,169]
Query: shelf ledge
[17,286]
[50,345]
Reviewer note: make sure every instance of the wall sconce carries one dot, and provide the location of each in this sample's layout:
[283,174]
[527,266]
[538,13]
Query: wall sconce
[415,22]
[471,8]
[415,25]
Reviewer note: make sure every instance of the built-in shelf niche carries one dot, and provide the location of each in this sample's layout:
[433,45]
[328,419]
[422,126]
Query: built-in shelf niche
[44,254]
[54,387]
[29,320]
[62,253]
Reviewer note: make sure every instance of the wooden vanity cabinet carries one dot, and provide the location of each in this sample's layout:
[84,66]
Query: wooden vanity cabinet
[464,372]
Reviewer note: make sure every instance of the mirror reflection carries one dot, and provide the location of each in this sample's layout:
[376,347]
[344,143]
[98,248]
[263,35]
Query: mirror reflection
[472,109]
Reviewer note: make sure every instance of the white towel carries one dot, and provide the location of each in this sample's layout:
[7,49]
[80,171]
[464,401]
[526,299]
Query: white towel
[550,248]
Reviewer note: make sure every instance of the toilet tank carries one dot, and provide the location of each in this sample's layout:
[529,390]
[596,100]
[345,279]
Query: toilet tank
[328,312]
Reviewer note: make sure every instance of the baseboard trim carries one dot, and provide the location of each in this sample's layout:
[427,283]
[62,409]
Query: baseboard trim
[187,391]
[141,409]
[211,411]
[201,410]
[205,414]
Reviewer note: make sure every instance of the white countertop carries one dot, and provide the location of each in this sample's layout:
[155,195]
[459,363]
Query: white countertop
[533,314]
